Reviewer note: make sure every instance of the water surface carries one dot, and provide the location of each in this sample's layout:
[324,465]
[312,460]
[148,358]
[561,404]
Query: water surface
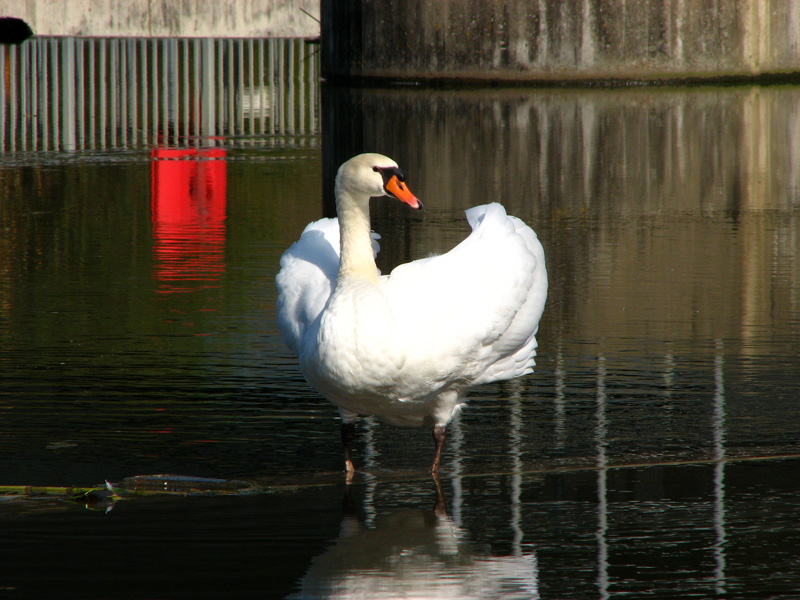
[654,453]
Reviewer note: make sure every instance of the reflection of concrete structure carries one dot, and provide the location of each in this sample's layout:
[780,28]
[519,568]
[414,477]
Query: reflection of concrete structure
[188,18]
[619,174]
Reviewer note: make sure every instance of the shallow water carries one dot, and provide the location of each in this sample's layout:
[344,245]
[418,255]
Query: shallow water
[654,453]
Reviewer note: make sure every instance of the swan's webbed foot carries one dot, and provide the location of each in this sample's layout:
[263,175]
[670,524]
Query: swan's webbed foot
[348,435]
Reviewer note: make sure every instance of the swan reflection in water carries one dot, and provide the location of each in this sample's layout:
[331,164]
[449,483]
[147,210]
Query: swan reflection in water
[415,553]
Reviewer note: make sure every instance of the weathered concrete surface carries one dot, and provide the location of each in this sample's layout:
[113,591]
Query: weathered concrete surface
[540,40]
[170,18]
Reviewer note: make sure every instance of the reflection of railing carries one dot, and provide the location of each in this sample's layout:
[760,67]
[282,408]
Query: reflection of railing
[73,94]
[632,494]
[606,512]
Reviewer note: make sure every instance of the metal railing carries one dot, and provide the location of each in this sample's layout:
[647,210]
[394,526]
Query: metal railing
[71,94]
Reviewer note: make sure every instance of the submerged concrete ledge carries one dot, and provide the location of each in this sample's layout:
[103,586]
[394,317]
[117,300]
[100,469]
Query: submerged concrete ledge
[530,41]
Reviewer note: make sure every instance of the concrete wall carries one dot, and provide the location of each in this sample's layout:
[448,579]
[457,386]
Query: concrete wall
[168,18]
[523,40]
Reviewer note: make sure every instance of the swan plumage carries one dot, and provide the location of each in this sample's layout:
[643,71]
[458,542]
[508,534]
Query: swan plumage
[407,346]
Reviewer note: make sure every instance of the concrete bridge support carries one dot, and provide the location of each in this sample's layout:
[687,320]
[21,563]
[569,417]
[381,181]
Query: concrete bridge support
[559,40]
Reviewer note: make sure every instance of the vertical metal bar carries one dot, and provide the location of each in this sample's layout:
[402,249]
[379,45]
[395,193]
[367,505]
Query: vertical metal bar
[91,83]
[13,98]
[55,94]
[273,113]
[313,74]
[68,93]
[113,91]
[220,107]
[301,84]
[132,91]
[199,90]
[24,94]
[44,95]
[3,51]
[171,90]
[80,94]
[231,88]
[252,84]
[186,88]
[280,85]
[207,72]
[34,101]
[103,89]
[155,122]
[144,93]
[239,77]
[122,66]
[290,82]
[261,87]
[166,91]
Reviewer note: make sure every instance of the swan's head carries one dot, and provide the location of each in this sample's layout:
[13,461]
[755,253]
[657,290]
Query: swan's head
[375,175]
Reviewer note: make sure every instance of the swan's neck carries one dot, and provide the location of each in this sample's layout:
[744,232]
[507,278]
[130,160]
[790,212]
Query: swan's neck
[356,257]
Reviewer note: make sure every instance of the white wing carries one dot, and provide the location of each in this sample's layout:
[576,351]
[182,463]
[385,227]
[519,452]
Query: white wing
[475,310]
[306,279]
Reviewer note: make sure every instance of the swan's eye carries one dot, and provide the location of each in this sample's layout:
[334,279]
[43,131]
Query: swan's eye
[388,172]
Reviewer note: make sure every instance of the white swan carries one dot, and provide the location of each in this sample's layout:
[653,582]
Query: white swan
[406,347]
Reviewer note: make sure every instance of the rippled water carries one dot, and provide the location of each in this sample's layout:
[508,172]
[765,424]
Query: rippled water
[654,453]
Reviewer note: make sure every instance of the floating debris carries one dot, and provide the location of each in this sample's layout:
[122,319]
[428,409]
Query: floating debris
[103,496]
[184,485]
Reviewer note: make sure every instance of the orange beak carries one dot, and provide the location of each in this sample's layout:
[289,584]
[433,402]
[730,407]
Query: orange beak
[400,190]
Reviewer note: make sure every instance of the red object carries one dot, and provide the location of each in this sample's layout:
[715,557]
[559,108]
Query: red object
[188,203]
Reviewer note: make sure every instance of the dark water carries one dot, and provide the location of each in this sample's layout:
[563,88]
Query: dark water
[654,453]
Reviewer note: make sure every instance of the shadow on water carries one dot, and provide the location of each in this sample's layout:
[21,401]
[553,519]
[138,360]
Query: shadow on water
[148,190]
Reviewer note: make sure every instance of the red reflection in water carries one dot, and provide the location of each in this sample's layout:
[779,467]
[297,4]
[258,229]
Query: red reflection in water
[188,196]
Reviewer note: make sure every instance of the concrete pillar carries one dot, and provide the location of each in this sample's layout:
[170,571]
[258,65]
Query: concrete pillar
[558,40]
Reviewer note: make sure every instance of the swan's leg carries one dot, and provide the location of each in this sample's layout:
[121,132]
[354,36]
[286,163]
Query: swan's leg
[348,435]
[439,436]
